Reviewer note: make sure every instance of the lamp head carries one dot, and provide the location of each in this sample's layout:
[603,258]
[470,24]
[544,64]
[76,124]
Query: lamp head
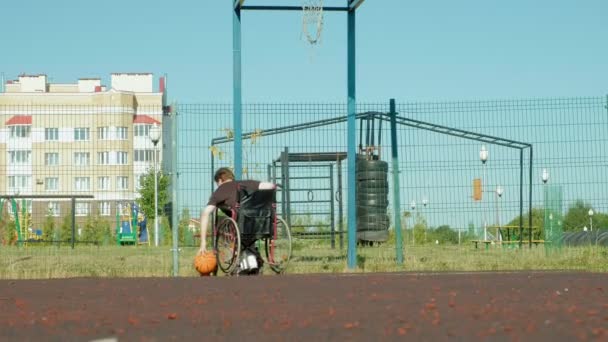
[155,134]
[483,154]
[545,176]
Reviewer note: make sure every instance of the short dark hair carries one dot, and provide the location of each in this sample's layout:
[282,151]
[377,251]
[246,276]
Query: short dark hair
[224,174]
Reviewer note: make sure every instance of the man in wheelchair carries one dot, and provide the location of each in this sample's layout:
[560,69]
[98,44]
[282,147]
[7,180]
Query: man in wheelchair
[226,198]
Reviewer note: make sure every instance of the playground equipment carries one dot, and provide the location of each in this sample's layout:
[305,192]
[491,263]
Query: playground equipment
[21,217]
[131,225]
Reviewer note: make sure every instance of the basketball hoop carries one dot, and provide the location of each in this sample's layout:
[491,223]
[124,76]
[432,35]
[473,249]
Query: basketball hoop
[312,21]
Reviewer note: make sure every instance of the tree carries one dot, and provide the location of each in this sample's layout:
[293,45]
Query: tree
[420,228]
[49,228]
[445,234]
[185,235]
[90,231]
[65,233]
[538,220]
[146,192]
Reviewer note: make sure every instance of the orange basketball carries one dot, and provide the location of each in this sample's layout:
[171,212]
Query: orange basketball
[205,263]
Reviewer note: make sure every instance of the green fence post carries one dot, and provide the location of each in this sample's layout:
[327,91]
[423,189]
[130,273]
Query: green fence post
[396,199]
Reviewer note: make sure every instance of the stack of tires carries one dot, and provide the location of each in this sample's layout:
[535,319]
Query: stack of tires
[372,200]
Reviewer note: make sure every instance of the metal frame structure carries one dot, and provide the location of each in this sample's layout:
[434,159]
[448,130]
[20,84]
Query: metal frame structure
[394,120]
[71,197]
[327,160]
[350,8]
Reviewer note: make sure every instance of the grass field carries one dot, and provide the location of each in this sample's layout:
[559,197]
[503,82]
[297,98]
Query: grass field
[112,261]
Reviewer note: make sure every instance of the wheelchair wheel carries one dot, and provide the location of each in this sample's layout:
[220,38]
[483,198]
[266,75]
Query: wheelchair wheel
[278,247]
[227,245]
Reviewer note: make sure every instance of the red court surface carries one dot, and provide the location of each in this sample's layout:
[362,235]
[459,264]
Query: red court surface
[419,307]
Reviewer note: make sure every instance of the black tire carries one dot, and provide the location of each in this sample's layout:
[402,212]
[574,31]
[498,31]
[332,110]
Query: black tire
[372,227]
[372,184]
[227,245]
[382,203]
[374,203]
[372,191]
[372,175]
[373,218]
[372,165]
[361,157]
[377,197]
[362,211]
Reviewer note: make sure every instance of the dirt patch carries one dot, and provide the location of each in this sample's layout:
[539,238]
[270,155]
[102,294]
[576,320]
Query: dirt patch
[503,306]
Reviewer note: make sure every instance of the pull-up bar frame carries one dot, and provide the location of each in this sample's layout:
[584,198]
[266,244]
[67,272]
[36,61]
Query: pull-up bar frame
[350,9]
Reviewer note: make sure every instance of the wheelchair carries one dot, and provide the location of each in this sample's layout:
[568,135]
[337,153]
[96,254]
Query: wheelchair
[253,221]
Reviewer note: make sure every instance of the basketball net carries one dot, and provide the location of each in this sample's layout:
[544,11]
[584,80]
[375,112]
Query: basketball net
[312,22]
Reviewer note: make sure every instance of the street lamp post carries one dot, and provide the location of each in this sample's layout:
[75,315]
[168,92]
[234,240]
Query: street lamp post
[591,218]
[425,202]
[155,138]
[551,227]
[499,192]
[413,207]
[545,178]
[483,156]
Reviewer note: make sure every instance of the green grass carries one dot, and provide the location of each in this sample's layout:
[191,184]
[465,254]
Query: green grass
[35,262]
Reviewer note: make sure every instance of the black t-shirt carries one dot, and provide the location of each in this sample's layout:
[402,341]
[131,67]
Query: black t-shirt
[225,196]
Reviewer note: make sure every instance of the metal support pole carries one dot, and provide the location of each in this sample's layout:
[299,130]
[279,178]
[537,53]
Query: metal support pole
[483,189]
[212,170]
[351,142]
[174,182]
[530,197]
[340,207]
[332,214]
[286,185]
[237,92]
[521,197]
[155,199]
[73,221]
[396,188]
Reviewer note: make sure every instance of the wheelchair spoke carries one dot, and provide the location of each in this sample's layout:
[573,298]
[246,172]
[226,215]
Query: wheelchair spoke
[227,245]
[278,247]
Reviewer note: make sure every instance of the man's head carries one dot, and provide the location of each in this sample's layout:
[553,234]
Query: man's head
[223,175]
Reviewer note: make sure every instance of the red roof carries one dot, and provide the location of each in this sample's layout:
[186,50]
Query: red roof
[145,119]
[20,120]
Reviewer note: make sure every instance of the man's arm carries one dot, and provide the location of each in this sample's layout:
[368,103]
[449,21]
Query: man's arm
[205,214]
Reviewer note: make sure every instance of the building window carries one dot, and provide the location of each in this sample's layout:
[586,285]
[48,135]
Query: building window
[51,159]
[122,183]
[82,208]
[20,157]
[19,183]
[81,134]
[54,208]
[51,134]
[142,130]
[20,131]
[82,184]
[81,158]
[103,133]
[122,158]
[122,133]
[51,184]
[103,183]
[104,208]
[103,158]
[143,155]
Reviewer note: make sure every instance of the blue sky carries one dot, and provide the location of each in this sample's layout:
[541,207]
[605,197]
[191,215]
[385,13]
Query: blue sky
[409,50]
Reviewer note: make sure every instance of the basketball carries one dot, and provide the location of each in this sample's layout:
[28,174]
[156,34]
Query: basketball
[205,263]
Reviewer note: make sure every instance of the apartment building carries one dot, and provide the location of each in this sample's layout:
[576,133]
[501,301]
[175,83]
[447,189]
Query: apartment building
[80,138]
